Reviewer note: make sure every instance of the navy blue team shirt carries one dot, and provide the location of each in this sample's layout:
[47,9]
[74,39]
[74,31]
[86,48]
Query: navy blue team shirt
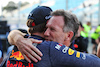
[54,55]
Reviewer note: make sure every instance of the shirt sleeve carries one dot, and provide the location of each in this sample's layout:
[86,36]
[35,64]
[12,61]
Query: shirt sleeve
[63,56]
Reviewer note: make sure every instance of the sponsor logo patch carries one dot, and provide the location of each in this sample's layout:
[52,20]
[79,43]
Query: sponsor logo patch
[17,55]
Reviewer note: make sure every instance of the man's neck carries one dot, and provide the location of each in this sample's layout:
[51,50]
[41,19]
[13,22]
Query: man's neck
[67,43]
[39,34]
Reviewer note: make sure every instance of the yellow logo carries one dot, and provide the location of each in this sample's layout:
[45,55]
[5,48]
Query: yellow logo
[78,54]
[17,55]
[70,51]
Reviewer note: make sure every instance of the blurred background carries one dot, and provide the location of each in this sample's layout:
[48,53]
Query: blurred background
[13,13]
[16,12]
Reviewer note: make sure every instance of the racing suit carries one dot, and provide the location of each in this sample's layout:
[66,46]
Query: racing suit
[54,55]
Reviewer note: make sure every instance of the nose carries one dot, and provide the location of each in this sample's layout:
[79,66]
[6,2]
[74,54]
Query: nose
[46,33]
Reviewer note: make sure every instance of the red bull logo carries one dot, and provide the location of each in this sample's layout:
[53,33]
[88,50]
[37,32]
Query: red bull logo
[19,64]
[17,55]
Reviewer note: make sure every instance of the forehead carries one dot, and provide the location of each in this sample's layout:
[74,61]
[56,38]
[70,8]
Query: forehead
[56,21]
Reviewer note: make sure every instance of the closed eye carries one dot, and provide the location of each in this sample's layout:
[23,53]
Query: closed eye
[52,29]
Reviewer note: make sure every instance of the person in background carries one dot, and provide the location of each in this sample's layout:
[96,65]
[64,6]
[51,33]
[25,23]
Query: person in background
[98,31]
[87,28]
[95,39]
[86,32]
[80,43]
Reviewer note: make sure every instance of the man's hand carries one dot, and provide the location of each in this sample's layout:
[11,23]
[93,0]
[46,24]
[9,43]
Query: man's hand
[25,46]
[28,50]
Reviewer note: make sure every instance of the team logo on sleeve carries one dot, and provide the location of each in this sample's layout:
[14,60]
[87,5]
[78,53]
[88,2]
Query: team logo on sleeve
[78,54]
[65,50]
[84,56]
[58,46]
[70,51]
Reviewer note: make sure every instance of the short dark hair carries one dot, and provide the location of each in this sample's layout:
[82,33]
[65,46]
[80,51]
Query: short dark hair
[38,28]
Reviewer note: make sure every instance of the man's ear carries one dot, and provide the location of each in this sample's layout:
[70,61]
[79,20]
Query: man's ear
[69,35]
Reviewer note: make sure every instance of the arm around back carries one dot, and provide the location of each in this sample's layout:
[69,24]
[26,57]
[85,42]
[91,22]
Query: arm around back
[14,35]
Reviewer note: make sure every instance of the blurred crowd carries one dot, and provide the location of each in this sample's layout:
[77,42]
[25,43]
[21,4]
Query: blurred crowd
[86,32]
